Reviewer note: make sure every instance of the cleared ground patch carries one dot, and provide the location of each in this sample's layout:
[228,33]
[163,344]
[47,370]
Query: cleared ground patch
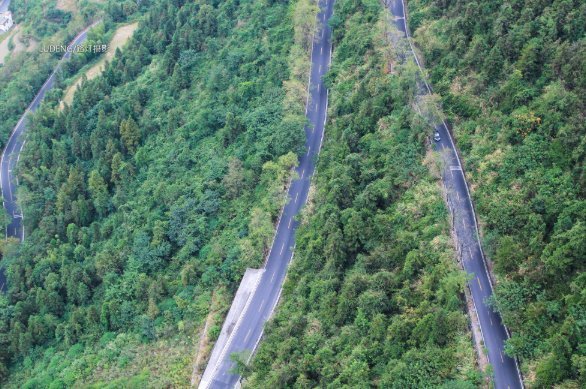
[67,5]
[14,35]
[4,39]
[121,36]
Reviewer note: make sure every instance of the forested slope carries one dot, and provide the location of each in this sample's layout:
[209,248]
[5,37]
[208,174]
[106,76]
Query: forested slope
[24,73]
[512,75]
[158,186]
[374,295]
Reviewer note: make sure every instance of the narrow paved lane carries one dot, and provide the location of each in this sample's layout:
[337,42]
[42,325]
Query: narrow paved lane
[505,369]
[11,156]
[250,326]
[4,4]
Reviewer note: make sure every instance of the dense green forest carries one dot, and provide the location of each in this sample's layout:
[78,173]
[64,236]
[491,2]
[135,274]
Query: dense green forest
[147,198]
[512,75]
[24,73]
[41,19]
[158,186]
[374,296]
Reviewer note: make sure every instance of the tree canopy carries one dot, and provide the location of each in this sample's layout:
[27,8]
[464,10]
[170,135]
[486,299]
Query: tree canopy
[512,75]
[374,295]
[152,192]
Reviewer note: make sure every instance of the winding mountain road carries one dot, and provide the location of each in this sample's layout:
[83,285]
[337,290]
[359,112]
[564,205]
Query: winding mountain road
[11,155]
[250,326]
[505,369]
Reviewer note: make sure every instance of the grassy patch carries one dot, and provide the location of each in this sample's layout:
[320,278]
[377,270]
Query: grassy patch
[67,5]
[121,36]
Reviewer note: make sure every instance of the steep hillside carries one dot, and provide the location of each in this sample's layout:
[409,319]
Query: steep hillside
[374,296]
[154,190]
[41,25]
[513,80]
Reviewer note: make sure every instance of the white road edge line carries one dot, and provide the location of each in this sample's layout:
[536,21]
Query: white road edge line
[465,185]
[25,114]
[206,384]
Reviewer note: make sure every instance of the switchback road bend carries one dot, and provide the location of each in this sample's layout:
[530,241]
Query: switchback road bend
[250,326]
[505,369]
[11,156]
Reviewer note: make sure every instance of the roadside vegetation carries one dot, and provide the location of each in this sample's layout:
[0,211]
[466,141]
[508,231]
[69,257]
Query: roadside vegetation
[513,80]
[148,195]
[374,295]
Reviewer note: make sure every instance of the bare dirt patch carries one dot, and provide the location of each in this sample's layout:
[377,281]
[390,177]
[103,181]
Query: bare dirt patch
[203,349]
[120,38]
[4,50]
[67,5]
[20,44]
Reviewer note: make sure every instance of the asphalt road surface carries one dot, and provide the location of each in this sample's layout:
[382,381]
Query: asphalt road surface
[4,5]
[506,371]
[251,325]
[11,156]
